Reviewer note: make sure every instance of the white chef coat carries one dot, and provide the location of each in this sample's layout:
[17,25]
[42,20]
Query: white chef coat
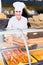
[15,24]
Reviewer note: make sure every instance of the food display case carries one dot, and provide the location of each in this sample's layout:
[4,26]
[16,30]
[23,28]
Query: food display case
[21,47]
[12,48]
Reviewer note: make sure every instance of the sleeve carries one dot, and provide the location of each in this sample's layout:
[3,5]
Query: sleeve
[25,25]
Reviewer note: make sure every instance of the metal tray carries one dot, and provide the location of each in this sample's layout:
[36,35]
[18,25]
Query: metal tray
[38,52]
[5,62]
[33,62]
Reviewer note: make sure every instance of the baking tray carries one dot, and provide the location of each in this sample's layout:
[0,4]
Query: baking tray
[34,62]
[38,55]
[5,63]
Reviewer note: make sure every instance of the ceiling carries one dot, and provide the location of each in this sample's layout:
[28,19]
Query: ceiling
[28,2]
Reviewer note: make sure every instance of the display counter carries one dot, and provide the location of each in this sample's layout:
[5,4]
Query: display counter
[13,53]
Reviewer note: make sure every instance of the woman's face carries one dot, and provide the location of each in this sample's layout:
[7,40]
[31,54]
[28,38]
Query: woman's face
[18,14]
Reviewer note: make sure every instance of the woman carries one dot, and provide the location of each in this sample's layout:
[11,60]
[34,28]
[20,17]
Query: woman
[18,21]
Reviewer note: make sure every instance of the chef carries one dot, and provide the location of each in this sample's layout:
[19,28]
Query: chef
[18,21]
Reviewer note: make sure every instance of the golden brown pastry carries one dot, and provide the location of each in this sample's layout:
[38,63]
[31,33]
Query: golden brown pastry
[3,16]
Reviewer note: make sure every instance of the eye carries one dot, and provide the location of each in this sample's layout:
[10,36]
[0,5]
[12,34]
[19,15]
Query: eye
[16,11]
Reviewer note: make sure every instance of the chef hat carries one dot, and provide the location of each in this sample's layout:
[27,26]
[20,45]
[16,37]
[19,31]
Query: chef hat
[18,6]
